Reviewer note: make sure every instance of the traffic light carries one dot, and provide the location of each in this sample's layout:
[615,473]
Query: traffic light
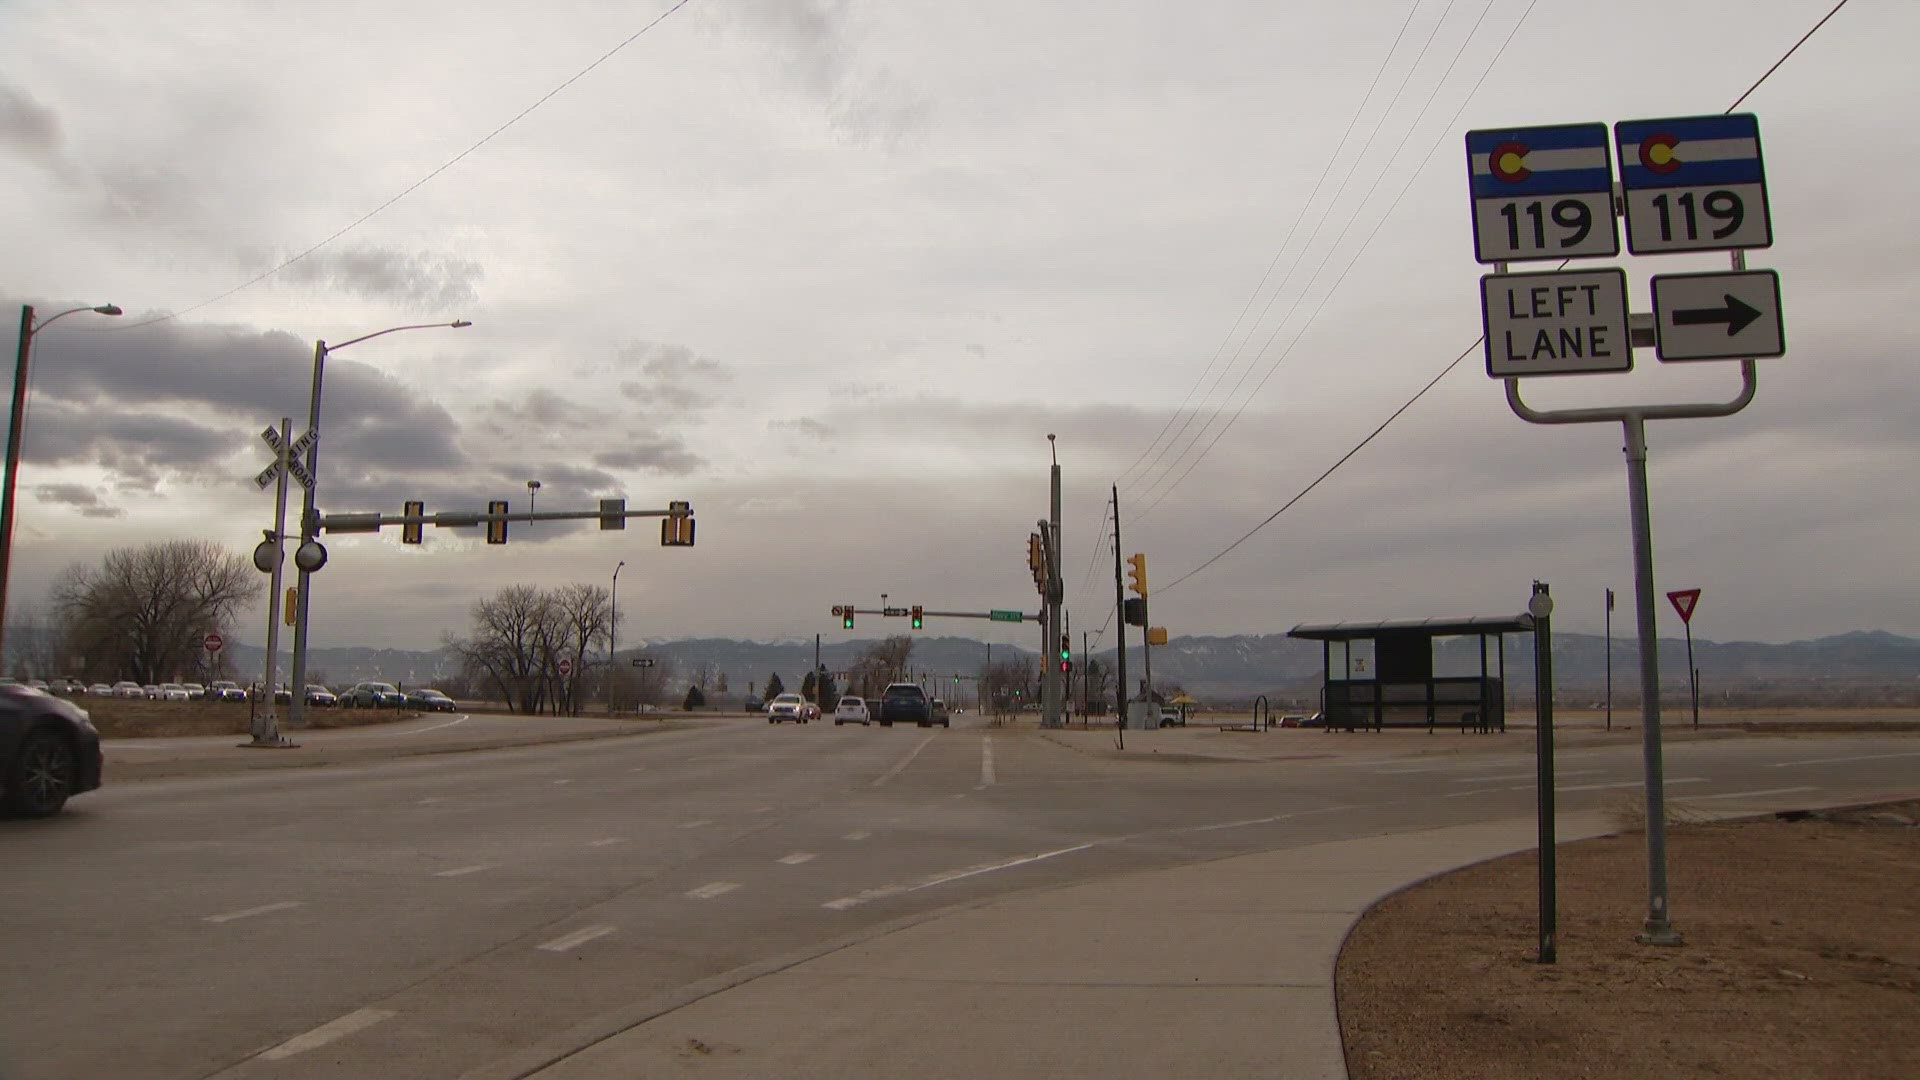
[1137,570]
[916,616]
[613,514]
[1066,654]
[676,529]
[410,530]
[496,526]
[846,617]
[1036,559]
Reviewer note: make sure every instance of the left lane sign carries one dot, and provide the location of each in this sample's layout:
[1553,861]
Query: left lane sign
[1541,193]
[1567,322]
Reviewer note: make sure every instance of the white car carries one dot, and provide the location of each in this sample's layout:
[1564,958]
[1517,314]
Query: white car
[852,710]
[791,707]
[126,688]
[174,691]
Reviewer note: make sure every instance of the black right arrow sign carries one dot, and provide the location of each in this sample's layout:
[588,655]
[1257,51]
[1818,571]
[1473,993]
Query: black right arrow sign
[1735,314]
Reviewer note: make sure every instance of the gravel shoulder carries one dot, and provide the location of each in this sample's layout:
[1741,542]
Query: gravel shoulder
[1802,958]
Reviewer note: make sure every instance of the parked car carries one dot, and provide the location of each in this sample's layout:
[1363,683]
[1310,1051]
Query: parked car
[195,691]
[373,695]
[1170,717]
[152,691]
[38,684]
[319,697]
[100,689]
[753,704]
[126,688]
[173,691]
[791,707]
[49,751]
[226,690]
[852,710]
[430,700]
[903,702]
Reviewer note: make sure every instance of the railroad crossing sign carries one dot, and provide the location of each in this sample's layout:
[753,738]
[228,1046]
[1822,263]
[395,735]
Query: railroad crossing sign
[287,457]
[1560,323]
[1541,193]
[1721,316]
[566,667]
[1684,601]
[213,643]
[1693,183]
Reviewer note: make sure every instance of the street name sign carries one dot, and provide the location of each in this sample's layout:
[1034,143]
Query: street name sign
[1541,193]
[1007,616]
[1720,316]
[1565,322]
[896,612]
[1693,183]
[643,661]
[1684,601]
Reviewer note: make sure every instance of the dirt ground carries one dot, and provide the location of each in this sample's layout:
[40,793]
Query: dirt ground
[1802,959]
[127,718]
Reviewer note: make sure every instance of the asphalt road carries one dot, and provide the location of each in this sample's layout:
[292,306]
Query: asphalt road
[427,916]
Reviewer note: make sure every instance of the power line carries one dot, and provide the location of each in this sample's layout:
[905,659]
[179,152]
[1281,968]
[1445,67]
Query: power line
[410,188]
[1468,351]
[1325,171]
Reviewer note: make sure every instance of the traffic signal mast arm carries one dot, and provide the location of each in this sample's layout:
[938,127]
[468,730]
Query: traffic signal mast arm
[995,616]
[459,519]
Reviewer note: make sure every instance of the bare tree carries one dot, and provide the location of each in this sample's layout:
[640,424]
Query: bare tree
[884,662]
[578,616]
[141,613]
[506,647]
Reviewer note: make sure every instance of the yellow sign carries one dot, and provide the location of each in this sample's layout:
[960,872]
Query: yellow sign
[1156,635]
[293,600]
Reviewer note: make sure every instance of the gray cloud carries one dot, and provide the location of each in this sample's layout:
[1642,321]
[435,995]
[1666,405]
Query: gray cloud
[419,279]
[675,382]
[805,425]
[662,454]
[27,125]
[80,497]
[817,44]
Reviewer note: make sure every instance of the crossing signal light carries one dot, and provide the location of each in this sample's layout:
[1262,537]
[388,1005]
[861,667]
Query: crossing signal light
[916,616]
[1137,570]
[496,522]
[846,617]
[411,528]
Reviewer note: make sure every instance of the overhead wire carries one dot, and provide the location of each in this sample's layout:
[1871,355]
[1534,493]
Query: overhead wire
[1352,260]
[1469,350]
[410,188]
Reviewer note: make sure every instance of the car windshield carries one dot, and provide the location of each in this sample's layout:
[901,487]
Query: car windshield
[384,688]
[787,699]
[316,689]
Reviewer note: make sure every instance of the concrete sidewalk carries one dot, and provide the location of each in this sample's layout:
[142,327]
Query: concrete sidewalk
[1218,969]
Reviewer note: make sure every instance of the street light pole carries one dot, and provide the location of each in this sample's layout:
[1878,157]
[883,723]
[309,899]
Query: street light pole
[22,361]
[613,634]
[305,555]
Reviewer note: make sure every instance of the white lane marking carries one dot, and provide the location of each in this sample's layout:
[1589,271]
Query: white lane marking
[871,895]
[463,871]
[1475,791]
[1842,760]
[904,762]
[607,840]
[986,762]
[761,809]
[858,834]
[252,911]
[422,730]
[358,1020]
[563,781]
[712,889]
[695,824]
[1754,794]
[797,858]
[1522,776]
[641,768]
[568,942]
[1671,780]
[1244,822]
[428,801]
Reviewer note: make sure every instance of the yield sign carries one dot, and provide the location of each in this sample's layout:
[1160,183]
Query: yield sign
[1684,601]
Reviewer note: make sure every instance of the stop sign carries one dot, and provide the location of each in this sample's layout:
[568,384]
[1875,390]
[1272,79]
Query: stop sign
[212,642]
[566,667]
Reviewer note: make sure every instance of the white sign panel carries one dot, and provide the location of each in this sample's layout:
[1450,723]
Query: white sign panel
[1724,316]
[1567,322]
[1693,183]
[1541,193]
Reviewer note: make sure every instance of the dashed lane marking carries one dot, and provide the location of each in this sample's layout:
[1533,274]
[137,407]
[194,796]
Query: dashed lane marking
[858,834]
[797,858]
[1762,793]
[333,1030]
[986,763]
[904,762]
[712,889]
[249,913]
[1843,760]
[569,942]
[606,841]
[1671,780]
[695,824]
[463,871]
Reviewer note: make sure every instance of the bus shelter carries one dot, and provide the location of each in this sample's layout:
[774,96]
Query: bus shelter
[1381,674]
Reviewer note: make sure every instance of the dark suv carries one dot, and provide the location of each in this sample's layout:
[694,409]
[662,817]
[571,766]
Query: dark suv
[907,701]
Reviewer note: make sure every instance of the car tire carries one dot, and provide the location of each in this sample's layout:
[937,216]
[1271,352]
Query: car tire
[836,721]
[44,772]
[947,723]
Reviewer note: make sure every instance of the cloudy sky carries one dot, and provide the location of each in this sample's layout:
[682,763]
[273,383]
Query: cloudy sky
[832,270]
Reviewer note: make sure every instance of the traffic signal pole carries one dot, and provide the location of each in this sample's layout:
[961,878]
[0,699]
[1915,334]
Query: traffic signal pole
[1120,616]
[1056,593]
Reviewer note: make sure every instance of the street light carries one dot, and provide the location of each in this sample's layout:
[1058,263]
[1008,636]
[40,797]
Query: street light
[613,634]
[27,330]
[310,555]
[532,487]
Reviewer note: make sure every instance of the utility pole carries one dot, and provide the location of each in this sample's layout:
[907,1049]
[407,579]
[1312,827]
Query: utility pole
[1120,614]
[1086,676]
[1146,645]
[1056,592]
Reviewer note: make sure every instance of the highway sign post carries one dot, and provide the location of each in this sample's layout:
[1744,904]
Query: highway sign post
[1561,323]
[1718,316]
[1686,184]
[268,557]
